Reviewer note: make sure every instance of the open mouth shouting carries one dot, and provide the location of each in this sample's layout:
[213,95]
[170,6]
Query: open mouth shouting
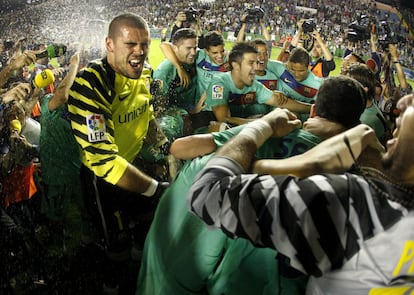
[136,66]
[135,63]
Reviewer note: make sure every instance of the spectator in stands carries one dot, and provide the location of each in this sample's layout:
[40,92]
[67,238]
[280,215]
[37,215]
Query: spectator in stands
[322,61]
[241,36]
[374,62]
[186,19]
[393,91]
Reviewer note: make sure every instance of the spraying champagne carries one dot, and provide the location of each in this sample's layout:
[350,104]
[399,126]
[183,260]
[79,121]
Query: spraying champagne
[52,50]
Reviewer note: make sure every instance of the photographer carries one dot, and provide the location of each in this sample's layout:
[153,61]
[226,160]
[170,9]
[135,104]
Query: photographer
[179,23]
[393,91]
[360,31]
[322,61]
[252,15]
[189,18]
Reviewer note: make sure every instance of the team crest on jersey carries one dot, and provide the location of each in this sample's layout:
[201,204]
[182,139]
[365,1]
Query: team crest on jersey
[96,127]
[217,92]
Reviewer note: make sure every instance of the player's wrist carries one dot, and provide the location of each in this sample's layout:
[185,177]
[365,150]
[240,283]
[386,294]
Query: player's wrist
[259,131]
[150,191]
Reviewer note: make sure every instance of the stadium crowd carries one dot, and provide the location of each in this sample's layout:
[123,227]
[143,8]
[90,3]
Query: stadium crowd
[99,150]
[69,23]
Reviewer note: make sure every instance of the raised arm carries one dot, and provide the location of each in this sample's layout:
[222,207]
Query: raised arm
[61,94]
[397,65]
[325,50]
[240,35]
[265,32]
[168,51]
[297,37]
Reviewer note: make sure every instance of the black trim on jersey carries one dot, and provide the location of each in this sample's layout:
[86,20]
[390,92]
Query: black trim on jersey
[295,234]
[318,203]
[382,120]
[387,214]
[327,67]
[206,216]
[264,216]
[80,134]
[107,74]
[360,205]
[88,92]
[93,150]
[234,197]
[81,104]
[77,118]
[108,172]
[103,161]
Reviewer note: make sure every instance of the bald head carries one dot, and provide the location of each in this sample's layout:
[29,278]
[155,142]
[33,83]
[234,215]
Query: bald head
[127,45]
[127,20]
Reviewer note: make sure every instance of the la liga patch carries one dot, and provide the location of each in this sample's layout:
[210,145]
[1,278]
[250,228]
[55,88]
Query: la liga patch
[96,127]
[217,92]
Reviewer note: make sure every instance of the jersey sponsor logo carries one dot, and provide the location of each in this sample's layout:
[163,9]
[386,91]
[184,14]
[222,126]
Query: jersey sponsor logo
[406,262]
[208,75]
[402,273]
[133,115]
[399,290]
[242,99]
[96,127]
[217,92]
[270,84]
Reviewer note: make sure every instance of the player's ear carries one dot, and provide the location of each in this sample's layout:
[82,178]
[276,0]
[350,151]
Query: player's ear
[312,112]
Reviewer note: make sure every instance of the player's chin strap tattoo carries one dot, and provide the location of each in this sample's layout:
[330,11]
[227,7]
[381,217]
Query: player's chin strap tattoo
[369,173]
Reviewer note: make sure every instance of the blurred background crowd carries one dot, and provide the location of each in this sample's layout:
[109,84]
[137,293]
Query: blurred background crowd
[73,22]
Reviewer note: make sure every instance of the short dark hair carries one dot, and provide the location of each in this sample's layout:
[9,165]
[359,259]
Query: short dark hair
[299,55]
[127,19]
[258,41]
[238,50]
[211,38]
[183,34]
[363,74]
[358,57]
[341,99]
